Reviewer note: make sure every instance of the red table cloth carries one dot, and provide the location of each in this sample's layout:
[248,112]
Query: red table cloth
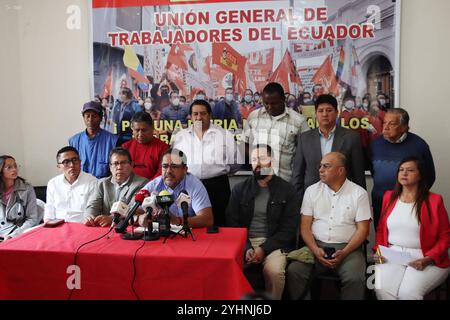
[35,265]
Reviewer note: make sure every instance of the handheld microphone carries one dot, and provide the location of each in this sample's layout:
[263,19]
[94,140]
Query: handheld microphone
[138,198]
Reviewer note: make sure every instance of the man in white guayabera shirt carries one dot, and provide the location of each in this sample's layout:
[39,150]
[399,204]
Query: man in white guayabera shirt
[67,193]
[334,224]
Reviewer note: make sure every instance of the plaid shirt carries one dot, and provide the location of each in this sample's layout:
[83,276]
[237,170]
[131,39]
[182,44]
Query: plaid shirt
[280,133]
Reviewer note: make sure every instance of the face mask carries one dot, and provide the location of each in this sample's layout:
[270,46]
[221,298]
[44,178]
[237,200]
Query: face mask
[256,98]
[119,99]
[248,98]
[147,105]
[306,100]
[366,106]
[349,105]
[291,104]
[382,102]
[176,102]
[229,97]
[200,97]
[164,93]
[141,103]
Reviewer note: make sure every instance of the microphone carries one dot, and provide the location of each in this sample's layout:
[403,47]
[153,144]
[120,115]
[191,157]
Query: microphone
[118,210]
[149,205]
[138,198]
[150,202]
[164,200]
[183,202]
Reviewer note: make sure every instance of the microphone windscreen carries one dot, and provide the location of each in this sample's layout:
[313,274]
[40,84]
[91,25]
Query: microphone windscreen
[141,195]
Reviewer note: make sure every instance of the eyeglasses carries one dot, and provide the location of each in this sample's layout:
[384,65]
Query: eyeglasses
[171,166]
[10,168]
[66,163]
[119,163]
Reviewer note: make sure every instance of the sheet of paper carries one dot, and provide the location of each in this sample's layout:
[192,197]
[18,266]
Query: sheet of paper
[396,257]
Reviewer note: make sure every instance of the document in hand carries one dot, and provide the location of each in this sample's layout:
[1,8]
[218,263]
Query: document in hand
[396,257]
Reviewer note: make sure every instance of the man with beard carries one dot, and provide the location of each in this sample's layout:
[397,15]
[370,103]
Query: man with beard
[175,179]
[268,207]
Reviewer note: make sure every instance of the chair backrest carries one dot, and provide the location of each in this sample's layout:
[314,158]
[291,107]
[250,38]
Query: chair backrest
[40,208]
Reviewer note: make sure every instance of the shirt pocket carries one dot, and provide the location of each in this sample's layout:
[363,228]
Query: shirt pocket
[347,214]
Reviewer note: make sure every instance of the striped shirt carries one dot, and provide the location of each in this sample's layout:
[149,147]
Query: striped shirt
[280,133]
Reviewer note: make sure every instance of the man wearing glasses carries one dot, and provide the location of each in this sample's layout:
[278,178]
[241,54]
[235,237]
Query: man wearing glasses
[175,179]
[334,224]
[146,151]
[68,193]
[122,185]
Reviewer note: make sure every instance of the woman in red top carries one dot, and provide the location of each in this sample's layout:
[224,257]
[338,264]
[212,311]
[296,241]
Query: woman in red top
[413,221]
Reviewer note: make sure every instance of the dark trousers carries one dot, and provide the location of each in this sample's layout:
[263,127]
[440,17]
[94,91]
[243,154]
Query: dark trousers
[219,191]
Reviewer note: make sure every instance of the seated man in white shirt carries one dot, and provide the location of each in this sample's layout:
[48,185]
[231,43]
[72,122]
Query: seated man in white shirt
[335,218]
[67,193]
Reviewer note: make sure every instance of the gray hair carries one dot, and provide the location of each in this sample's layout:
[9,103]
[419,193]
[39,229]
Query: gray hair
[404,116]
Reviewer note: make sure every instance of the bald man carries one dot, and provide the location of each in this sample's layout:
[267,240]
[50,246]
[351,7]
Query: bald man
[334,224]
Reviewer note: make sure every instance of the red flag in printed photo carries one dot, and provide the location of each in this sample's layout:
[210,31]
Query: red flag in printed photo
[107,85]
[177,56]
[229,59]
[326,76]
[286,72]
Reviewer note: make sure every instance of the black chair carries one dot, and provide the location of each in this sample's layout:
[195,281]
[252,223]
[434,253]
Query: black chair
[41,193]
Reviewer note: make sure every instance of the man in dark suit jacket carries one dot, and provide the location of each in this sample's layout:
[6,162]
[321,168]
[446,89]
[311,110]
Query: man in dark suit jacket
[328,137]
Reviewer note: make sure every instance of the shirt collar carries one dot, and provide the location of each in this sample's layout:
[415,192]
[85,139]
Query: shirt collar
[401,139]
[74,183]
[113,180]
[331,133]
[285,113]
[332,192]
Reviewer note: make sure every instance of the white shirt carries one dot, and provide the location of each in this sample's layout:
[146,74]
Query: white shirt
[403,226]
[326,144]
[209,157]
[68,201]
[280,133]
[335,214]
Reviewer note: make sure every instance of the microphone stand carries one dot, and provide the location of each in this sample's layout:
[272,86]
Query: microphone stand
[185,230]
[149,234]
[131,235]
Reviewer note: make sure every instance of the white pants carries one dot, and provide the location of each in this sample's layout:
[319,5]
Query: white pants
[274,270]
[398,282]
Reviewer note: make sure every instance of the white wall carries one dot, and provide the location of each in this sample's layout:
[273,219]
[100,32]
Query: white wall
[425,80]
[47,82]
[47,71]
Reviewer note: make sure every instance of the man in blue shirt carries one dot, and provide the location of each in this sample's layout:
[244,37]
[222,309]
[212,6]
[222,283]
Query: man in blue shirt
[94,143]
[176,179]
